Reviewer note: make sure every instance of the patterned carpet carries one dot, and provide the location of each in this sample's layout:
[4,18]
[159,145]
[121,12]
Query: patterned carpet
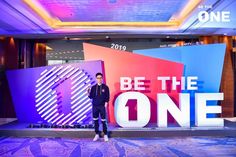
[132,147]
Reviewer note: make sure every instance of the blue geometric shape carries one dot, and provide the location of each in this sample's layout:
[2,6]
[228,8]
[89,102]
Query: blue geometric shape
[204,61]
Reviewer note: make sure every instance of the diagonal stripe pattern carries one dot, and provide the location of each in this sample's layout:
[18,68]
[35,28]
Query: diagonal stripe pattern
[47,96]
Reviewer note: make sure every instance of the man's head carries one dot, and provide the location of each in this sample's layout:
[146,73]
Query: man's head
[99,78]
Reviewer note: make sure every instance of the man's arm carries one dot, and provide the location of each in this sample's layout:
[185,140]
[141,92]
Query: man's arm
[107,98]
[90,92]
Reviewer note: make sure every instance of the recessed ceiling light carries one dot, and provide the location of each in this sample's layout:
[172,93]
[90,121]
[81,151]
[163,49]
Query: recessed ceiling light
[112,1]
[48,48]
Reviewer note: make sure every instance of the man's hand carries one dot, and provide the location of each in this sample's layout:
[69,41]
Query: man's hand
[106,104]
[88,90]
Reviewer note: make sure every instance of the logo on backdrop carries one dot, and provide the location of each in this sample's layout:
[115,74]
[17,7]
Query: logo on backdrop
[213,16]
[52,93]
[142,107]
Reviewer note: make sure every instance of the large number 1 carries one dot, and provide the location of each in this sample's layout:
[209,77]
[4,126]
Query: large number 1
[132,106]
[125,104]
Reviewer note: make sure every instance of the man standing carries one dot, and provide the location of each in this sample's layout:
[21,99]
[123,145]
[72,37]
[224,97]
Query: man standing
[100,96]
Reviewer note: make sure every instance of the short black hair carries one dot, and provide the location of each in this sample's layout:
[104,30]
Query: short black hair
[97,74]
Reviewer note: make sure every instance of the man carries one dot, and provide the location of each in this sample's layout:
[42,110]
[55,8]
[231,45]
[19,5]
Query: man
[100,96]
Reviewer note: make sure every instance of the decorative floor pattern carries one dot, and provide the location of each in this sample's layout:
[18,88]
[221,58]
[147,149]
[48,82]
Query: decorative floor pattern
[118,147]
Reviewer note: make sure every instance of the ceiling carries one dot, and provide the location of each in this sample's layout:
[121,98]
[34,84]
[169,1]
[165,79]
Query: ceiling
[113,10]
[44,18]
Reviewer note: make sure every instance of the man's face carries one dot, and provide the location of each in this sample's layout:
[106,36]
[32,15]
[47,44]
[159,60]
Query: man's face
[99,79]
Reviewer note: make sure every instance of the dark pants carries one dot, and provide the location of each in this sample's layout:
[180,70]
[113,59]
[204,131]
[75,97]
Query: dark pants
[102,111]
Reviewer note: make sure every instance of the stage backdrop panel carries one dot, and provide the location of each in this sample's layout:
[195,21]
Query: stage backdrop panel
[55,94]
[127,64]
[204,61]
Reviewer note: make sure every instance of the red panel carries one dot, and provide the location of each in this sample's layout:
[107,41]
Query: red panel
[120,63]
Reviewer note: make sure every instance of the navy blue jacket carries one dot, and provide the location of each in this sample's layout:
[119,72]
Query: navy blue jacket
[99,94]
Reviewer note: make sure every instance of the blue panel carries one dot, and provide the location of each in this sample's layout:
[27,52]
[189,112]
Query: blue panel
[204,61]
